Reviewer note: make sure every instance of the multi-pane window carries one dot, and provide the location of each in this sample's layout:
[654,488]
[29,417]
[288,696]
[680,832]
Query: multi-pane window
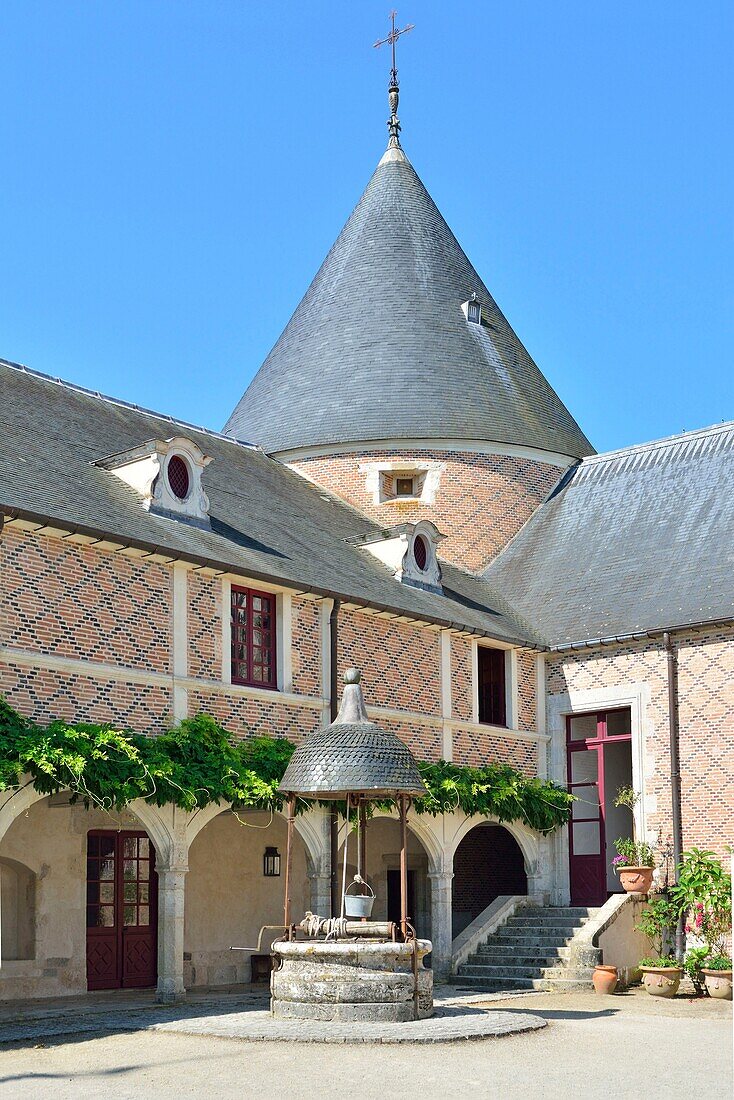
[492,696]
[253,637]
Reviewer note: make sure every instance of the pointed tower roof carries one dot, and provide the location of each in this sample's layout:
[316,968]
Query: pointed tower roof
[380,348]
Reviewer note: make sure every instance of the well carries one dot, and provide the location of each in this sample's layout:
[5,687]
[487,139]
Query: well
[346,967]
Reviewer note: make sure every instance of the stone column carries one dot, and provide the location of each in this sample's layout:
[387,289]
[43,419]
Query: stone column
[441,918]
[320,892]
[171,896]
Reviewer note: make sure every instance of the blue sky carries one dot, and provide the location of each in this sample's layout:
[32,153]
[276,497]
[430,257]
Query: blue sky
[174,171]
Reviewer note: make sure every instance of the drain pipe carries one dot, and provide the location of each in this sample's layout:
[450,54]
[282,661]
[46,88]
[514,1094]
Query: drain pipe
[334,709]
[672,662]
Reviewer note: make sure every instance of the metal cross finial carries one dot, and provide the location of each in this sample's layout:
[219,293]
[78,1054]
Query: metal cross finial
[393,94]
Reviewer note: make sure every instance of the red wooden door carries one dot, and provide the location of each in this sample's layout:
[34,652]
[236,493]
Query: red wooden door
[587,737]
[122,910]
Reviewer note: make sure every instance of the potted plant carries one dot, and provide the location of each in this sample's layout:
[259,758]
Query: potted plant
[717,973]
[634,862]
[702,894]
[661,971]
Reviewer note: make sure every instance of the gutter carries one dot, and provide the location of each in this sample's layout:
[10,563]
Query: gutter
[13,513]
[675,793]
[333,711]
[639,635]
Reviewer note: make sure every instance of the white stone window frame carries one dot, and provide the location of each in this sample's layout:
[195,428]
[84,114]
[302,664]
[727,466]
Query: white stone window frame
[511,690]
[637,697]
[426,478]
[283,636]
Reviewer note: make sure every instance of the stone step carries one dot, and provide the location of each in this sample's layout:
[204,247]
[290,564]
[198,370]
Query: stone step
[567,973]
[494,957]
[519,924]
[518,940]
[565,910]
[507,985]
[495,985]
[472,970]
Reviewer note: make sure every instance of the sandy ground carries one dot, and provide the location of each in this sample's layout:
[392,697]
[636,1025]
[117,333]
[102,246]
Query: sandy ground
[624,1046]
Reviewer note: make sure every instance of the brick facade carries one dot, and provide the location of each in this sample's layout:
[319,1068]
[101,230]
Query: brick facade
[306,655]
[706,723]
[76,601]
[481,503]
[400,663]
[475,747]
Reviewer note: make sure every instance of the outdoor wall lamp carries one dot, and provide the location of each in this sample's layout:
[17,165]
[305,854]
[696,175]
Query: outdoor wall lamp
[271,863]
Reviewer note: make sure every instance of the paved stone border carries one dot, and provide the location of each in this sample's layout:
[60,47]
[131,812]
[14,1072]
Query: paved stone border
[447,1025]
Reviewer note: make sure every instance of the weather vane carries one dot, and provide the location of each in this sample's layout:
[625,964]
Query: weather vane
[393,94]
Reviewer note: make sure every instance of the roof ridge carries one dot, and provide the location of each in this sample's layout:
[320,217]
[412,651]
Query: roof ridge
[23,369]
[655,444]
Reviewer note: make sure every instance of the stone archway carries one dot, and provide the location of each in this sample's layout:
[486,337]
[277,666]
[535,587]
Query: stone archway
[488,862]
[46,837]
[383,868]
[229,898]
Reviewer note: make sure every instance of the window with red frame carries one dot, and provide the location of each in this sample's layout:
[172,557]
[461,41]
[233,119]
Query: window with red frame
[253,638]
[492,701]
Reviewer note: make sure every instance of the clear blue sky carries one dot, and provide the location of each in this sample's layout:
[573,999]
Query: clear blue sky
[174,171]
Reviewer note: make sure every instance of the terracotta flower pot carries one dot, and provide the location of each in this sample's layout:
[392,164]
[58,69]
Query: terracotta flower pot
[661,981]
[636,880]
[605,979]
[718,983]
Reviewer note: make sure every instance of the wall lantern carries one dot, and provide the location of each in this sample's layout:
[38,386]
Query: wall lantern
[271,863]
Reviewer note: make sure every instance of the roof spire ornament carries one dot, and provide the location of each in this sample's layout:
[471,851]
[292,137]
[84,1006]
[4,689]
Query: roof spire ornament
[393,91]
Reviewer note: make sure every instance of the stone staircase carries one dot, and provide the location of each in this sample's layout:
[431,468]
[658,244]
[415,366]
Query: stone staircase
[532,950]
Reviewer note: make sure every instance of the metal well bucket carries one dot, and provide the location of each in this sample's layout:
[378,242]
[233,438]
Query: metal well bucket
[358,905]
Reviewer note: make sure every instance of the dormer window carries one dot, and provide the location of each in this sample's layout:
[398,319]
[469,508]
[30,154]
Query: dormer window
[177,473]
[473,310]
[166,473]
[409,552]
[420,552]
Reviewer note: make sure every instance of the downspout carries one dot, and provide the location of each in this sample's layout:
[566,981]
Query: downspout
[672,662]
[334,708]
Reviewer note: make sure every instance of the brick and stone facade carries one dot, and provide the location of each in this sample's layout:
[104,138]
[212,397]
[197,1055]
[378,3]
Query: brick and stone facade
[481,502]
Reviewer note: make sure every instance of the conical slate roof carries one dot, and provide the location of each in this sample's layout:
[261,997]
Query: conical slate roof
[379,347]
[352,756]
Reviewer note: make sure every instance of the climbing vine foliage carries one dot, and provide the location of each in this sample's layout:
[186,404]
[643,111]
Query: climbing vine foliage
[198,762]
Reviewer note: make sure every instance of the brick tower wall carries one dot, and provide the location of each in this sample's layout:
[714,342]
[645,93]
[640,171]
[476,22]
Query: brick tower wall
[481,503]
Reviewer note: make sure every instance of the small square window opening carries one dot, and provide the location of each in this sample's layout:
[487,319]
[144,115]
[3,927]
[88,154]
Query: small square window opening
[404,487]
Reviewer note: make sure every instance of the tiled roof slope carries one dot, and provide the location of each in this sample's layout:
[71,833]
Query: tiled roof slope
[267,521]
[379,347]
[630,541]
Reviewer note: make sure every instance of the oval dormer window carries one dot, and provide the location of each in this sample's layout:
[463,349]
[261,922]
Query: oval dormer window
[420,552]
[177,473]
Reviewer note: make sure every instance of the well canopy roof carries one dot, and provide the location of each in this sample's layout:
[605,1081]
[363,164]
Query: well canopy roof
[379,347]
[352,756]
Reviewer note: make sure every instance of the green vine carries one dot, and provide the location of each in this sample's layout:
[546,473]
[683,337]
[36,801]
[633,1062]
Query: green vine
[198,762]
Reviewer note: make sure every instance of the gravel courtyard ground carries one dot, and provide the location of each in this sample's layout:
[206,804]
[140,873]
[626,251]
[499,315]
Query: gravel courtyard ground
[624,1046]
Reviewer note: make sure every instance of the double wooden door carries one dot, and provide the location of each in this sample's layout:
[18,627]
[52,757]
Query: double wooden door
[122,910]
[599,763]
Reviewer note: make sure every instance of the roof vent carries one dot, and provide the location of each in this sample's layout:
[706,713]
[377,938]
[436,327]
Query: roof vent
[472,310]
[409,551]
[166,473]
